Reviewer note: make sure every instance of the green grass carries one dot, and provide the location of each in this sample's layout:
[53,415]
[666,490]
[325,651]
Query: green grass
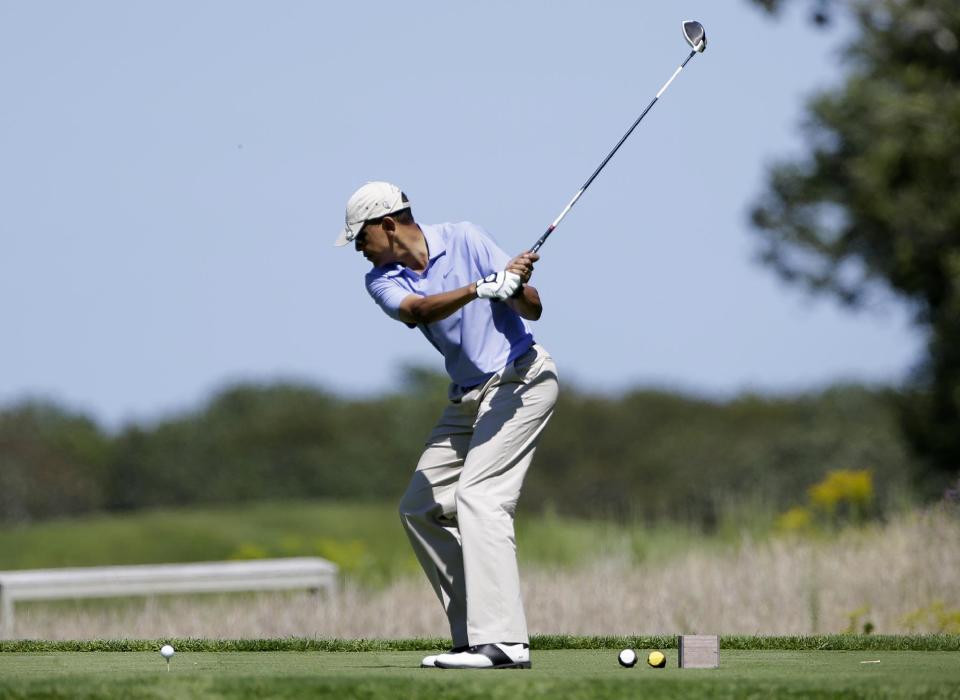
[567,674]
[365,539]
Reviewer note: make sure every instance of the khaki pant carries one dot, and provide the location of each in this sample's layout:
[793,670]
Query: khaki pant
[458,509]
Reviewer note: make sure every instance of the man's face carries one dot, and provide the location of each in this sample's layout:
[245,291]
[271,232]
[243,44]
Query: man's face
[373,243]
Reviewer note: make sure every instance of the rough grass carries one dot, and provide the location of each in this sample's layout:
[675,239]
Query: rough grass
[829,642]
[896,578]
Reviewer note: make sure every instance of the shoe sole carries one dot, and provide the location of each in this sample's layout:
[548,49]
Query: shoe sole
[434,665]
[518,664]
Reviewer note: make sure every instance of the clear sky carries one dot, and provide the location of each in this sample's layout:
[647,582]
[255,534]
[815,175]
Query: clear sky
[173,175]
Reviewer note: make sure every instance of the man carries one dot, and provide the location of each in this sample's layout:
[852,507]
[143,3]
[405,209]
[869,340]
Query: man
[470,300]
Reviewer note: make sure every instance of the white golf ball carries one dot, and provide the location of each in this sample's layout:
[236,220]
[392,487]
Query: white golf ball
[627,658]
[166,651]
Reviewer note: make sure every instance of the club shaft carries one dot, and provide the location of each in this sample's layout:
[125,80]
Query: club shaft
[566,209]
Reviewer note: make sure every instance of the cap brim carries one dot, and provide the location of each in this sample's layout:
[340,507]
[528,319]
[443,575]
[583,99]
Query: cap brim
[346,235]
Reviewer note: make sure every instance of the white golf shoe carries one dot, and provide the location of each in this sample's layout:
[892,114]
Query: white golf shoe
[431,660]
[500,655]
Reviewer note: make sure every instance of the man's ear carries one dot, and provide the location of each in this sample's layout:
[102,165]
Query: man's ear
[389,225]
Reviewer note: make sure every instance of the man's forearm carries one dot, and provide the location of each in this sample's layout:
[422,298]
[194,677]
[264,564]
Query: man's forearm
[527,304]
[437,307]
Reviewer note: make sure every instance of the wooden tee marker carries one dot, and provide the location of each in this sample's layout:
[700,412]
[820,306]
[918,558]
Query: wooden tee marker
[699,650]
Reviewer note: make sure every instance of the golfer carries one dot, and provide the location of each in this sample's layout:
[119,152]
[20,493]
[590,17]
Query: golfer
[471,301]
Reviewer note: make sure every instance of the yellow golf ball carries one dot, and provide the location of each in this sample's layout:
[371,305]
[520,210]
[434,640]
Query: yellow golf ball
[656,659]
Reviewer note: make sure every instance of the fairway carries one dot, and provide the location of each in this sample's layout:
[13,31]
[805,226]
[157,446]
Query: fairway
[556,674]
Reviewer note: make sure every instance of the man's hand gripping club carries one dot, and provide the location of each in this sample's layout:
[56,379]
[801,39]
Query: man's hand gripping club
[498,286]
[508,283]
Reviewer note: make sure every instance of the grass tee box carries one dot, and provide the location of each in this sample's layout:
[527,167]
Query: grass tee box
[570,674]
[311,573]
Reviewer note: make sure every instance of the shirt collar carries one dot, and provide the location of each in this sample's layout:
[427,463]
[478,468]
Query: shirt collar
[435,245]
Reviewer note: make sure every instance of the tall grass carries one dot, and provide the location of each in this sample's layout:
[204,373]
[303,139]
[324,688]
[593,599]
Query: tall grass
[899,577]
[893,578]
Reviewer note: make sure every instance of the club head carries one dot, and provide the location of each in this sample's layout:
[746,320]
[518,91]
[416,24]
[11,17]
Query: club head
[695,35]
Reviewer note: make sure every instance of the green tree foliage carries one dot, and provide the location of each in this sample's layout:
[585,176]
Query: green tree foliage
[820,9]
[273,441]
[52,462]
[647,454]
[657,455]
[877,201]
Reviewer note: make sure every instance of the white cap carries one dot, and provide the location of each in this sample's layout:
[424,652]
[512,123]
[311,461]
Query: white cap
[372,201]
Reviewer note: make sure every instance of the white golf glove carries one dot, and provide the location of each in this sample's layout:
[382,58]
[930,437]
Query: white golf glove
[498,285]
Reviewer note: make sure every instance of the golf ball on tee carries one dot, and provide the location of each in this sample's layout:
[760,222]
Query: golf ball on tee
[166,651]
[627,658]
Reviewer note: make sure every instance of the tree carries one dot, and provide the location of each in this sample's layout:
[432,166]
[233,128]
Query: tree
[876,203]
[52,462]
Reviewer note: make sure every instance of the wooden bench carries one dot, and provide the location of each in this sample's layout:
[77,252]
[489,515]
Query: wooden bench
[312,573]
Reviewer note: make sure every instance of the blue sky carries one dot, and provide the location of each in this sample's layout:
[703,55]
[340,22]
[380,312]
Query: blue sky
[174,175]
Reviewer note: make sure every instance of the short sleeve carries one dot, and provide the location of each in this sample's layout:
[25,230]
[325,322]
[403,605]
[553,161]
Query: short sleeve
[388,295]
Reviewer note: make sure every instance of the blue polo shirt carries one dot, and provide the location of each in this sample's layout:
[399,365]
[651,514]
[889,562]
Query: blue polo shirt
[480,338]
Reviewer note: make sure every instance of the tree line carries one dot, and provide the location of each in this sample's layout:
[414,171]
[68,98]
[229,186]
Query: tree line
[648,454]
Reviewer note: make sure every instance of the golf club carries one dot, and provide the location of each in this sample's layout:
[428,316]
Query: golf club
[696,37]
